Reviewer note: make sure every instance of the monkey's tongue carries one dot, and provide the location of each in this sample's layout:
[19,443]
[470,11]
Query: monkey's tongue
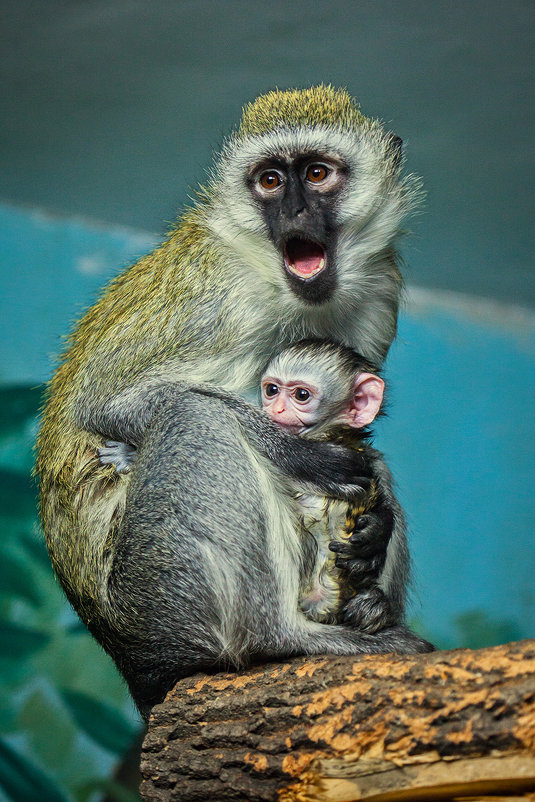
[304,258]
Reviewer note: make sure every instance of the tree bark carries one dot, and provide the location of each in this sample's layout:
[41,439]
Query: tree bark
[457,725]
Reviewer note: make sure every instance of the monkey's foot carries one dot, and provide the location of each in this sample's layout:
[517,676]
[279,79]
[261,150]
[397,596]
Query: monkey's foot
[369,611]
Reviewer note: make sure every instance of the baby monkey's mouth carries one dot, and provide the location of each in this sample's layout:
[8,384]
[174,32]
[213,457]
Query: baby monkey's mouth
[293,428]
[303,258]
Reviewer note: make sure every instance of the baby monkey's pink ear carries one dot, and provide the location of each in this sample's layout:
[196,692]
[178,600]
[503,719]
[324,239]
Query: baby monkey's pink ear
[366,399]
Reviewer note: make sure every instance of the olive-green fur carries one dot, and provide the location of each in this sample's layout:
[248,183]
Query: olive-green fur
[318,106]
[138,315]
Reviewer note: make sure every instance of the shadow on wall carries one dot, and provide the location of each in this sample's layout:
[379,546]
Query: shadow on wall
[460,439]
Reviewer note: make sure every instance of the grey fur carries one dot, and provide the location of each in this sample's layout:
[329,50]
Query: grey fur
[195,583]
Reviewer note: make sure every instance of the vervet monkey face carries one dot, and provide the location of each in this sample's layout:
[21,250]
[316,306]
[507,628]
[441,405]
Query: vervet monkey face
[298,403]
[298,197]
[293,404]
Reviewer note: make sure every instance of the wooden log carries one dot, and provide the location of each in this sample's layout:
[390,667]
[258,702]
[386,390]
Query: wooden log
[457,725]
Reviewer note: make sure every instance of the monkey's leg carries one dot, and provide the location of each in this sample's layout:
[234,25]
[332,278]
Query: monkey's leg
[361,559]
[369,610]
[195,582]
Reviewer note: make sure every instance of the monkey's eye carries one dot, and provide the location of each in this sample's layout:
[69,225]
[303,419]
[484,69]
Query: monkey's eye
[270,390]
[270,180]
[301,394]
[316,173]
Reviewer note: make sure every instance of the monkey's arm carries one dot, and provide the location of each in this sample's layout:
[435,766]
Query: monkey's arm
[333,469]
[329,468]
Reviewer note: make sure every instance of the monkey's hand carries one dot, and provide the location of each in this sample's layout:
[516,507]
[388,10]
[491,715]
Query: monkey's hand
[362,556]
[121,455]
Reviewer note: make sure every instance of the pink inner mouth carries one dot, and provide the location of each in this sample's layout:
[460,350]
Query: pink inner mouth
[304,258]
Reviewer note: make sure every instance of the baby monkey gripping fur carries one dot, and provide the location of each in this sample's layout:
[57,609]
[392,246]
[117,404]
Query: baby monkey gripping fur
[326,391]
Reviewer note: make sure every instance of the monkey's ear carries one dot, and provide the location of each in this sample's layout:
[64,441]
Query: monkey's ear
[366,399]
[396,148]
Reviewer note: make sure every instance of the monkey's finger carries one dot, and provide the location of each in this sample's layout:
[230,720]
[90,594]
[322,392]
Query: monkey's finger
[373,537]
[106,455]
[358,551]
[119,465]
[363,484]
[120,448]
[357,489]
[341,548]
[364,521]
[372,525]
[366,549]
[360,573]
[365,568]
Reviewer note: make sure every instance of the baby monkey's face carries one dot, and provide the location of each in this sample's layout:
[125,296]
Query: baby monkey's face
[292,404]
[305,398]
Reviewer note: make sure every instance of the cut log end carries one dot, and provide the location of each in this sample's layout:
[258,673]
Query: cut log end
[457,725]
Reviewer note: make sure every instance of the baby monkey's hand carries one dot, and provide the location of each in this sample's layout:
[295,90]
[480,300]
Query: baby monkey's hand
[362,556]
[119,454]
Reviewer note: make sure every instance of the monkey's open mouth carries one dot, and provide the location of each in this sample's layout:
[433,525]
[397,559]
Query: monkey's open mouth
[304,258]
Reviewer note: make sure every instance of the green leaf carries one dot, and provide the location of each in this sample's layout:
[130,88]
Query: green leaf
[18,642]
[105,724]
[23,781]
[477,629]
[15,581]
[8,714]
[14,674]
[114,791]
[43,713]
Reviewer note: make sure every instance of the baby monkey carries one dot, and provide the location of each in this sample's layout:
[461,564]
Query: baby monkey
[325,391]
[354,567]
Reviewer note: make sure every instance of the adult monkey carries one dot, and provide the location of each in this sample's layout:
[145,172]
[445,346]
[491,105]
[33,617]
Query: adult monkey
[293,237]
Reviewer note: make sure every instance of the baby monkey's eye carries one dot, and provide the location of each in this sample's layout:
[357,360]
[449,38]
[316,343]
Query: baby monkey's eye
[301,394]
[270,390]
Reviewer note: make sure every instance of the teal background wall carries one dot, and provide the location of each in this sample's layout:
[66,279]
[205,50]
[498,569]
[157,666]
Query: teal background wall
[112,109]
[110,113]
